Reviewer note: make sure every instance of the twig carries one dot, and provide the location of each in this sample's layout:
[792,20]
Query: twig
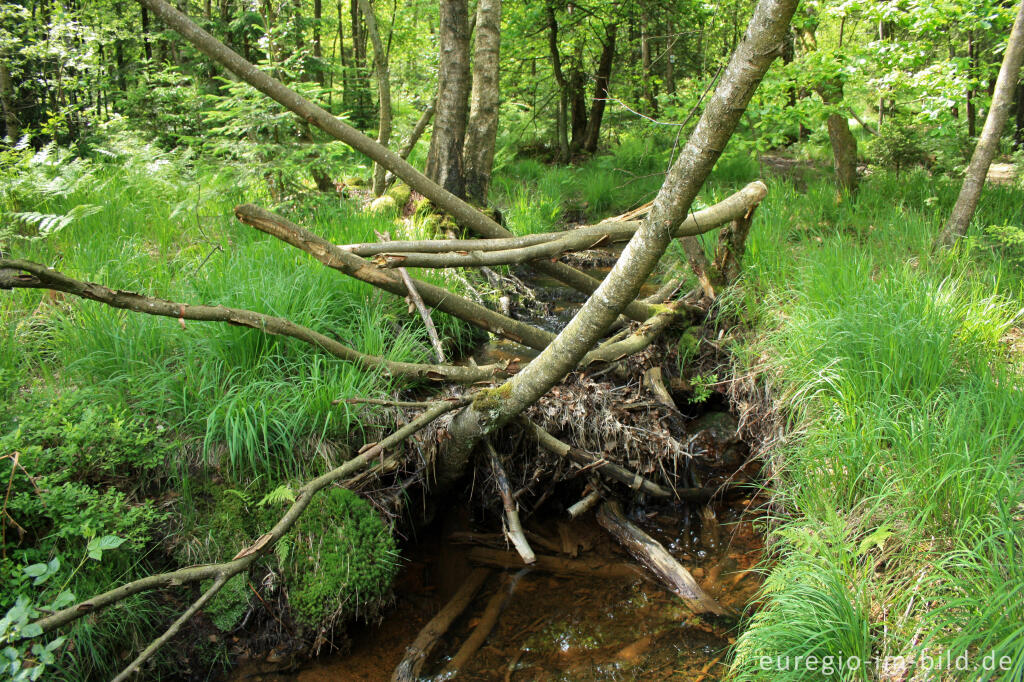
[401,403]
[515,528]
[424,313]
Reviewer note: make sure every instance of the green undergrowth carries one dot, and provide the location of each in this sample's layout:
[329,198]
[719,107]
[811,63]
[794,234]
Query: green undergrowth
[167,440]
[896,528]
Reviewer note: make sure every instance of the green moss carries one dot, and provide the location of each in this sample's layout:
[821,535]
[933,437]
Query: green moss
[228,606]
[343,560]
[688,345]
[488,399]
[401,193]
[354,181]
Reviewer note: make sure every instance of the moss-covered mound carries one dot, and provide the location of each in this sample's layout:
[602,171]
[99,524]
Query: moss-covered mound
[342,562]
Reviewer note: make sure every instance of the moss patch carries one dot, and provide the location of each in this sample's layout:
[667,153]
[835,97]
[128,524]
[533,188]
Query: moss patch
[342,563]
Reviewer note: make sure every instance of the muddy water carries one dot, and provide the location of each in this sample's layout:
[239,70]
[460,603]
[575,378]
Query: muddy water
[558,627]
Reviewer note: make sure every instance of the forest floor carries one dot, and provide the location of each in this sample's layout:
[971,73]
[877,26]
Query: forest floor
[893,527]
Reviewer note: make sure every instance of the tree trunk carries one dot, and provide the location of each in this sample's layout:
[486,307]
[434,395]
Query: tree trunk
[578,108]
[12,127]
[380,69]
[445,158]
[148,49]
[478,155]
[601,79]
[988,143]
[844,151]
[1018,136]
[762,43]
[972,109]
[563,89]
[645,62]
[317,45]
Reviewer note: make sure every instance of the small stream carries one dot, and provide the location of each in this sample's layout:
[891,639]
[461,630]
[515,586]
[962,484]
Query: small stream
[566,627]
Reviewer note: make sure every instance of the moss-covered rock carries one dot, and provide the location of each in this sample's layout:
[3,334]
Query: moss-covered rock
[342,562]
[401,193]
[383,205]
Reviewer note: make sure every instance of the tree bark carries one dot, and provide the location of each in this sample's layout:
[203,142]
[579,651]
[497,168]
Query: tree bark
[988,143]
[562,124]
[844,151]
[601,80]
[380,69]
[761,44]
[478,155]
[12,127]
[445,159]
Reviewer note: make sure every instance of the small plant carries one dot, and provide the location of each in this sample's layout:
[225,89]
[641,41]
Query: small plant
[1010,241]
[702,387]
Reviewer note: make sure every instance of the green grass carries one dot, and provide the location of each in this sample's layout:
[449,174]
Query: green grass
[896,530]
[254,401]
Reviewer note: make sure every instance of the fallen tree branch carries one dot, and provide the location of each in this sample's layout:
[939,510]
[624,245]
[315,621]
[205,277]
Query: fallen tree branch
[515,528]
[585,504]
[655,557]
[416,654]
[573,568]
[262,546]
[41,277]
[526,247]
[488,619]
[354,266]
[155,645]
[464,214]
[414,137]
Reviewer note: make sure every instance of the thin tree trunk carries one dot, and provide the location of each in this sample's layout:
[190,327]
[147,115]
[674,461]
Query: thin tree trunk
[972,109]
[482,133]
[645,61]
[445,158]
[844,151]
[601,80]
[1018,136]
[317,45]
[12,127]
[988,143]
[380,68]
[147,47]
[563,89]
[762,43]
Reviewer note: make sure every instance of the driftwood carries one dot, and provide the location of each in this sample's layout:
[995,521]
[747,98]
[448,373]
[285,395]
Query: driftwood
[566,568]
[488,619]
[416,654]
[515,528]
[655,557]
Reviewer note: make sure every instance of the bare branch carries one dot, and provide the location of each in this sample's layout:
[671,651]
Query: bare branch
[354,266]
[515,528]
[41,277]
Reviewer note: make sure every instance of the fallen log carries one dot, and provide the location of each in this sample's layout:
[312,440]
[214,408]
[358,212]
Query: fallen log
[657,559]
[488,619]
[416,654]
